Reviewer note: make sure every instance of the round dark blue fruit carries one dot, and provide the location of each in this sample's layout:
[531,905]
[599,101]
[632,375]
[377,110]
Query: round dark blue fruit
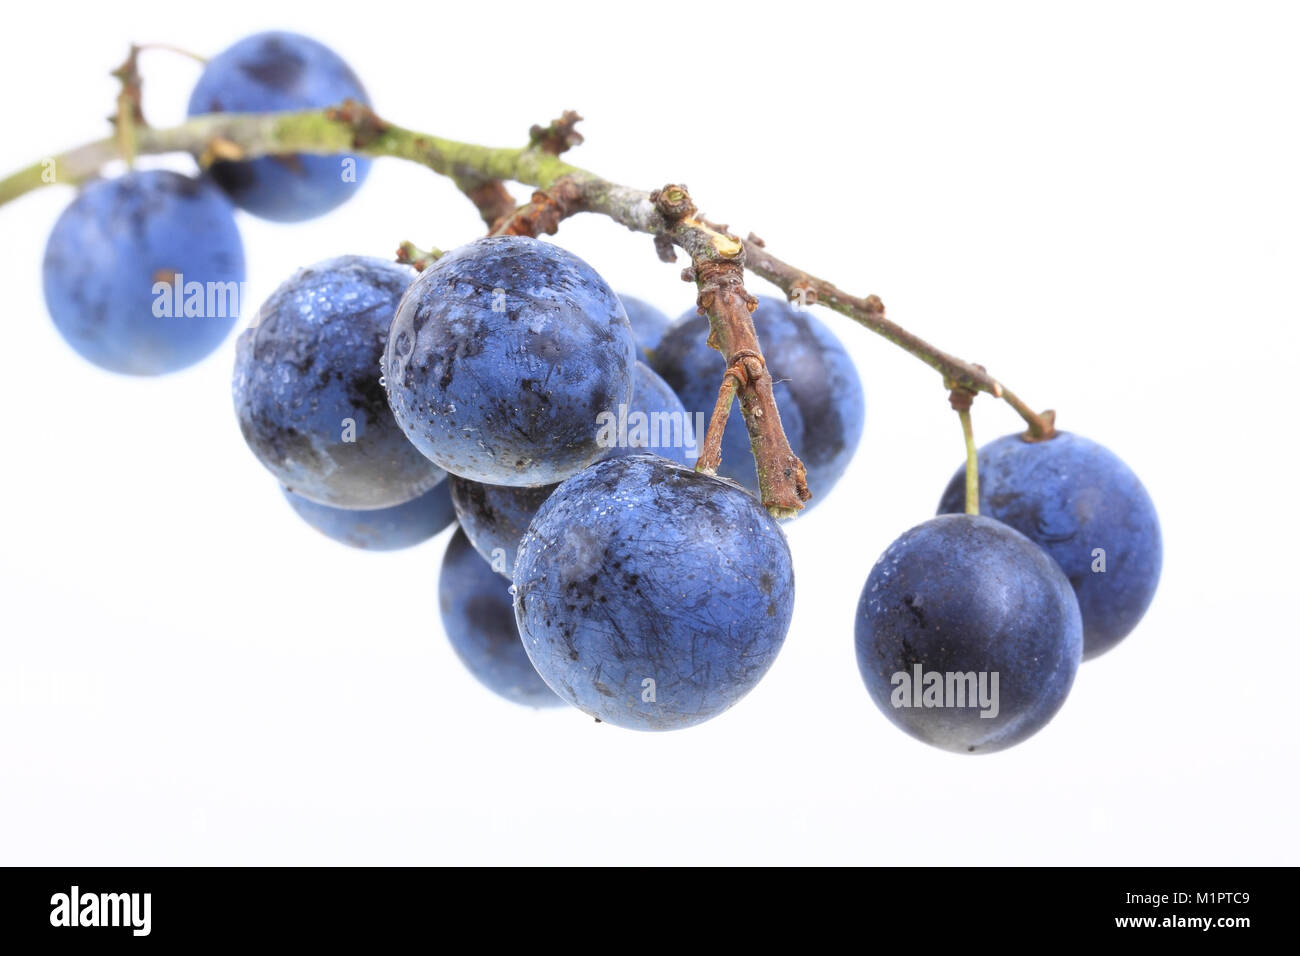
[502,356]
[143,273]
[1088,510]
[650,596]
[308,393]
[479,619]
[653,422]
[648,324]
[379,529]
[275,72]
[495,517]
[968,634]
[816,385]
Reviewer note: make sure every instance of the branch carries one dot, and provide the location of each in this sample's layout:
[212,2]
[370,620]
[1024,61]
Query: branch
[781,475]
[543,214]
[559,137]
[711,450]
[870,312]
[718,270]
[717,257]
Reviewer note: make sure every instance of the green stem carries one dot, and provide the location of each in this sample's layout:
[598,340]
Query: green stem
[972,464]
[170,48]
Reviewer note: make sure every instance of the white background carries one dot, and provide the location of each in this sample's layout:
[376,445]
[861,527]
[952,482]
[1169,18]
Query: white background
[1100,203]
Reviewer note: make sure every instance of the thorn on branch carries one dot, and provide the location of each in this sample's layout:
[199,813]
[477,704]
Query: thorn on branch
[128,74]
[559,137]
[544,213]
[129,115]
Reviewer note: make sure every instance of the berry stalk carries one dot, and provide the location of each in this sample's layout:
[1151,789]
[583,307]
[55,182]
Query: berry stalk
[961,397]
[972,464]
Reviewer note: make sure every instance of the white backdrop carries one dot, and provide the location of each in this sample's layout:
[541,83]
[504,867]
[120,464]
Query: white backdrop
[1100,203]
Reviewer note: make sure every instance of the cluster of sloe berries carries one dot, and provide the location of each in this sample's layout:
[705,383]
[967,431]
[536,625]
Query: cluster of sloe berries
[507,390]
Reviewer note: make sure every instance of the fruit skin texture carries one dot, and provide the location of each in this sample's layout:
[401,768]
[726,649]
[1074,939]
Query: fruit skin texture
[648,324]
[495,517]
[674,436]
[816,385]
[114,242]
[379,529]
[1070,495]
[963,593]
[479,619]
[310,363]
[511,395]
[639,569]
[274,72]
